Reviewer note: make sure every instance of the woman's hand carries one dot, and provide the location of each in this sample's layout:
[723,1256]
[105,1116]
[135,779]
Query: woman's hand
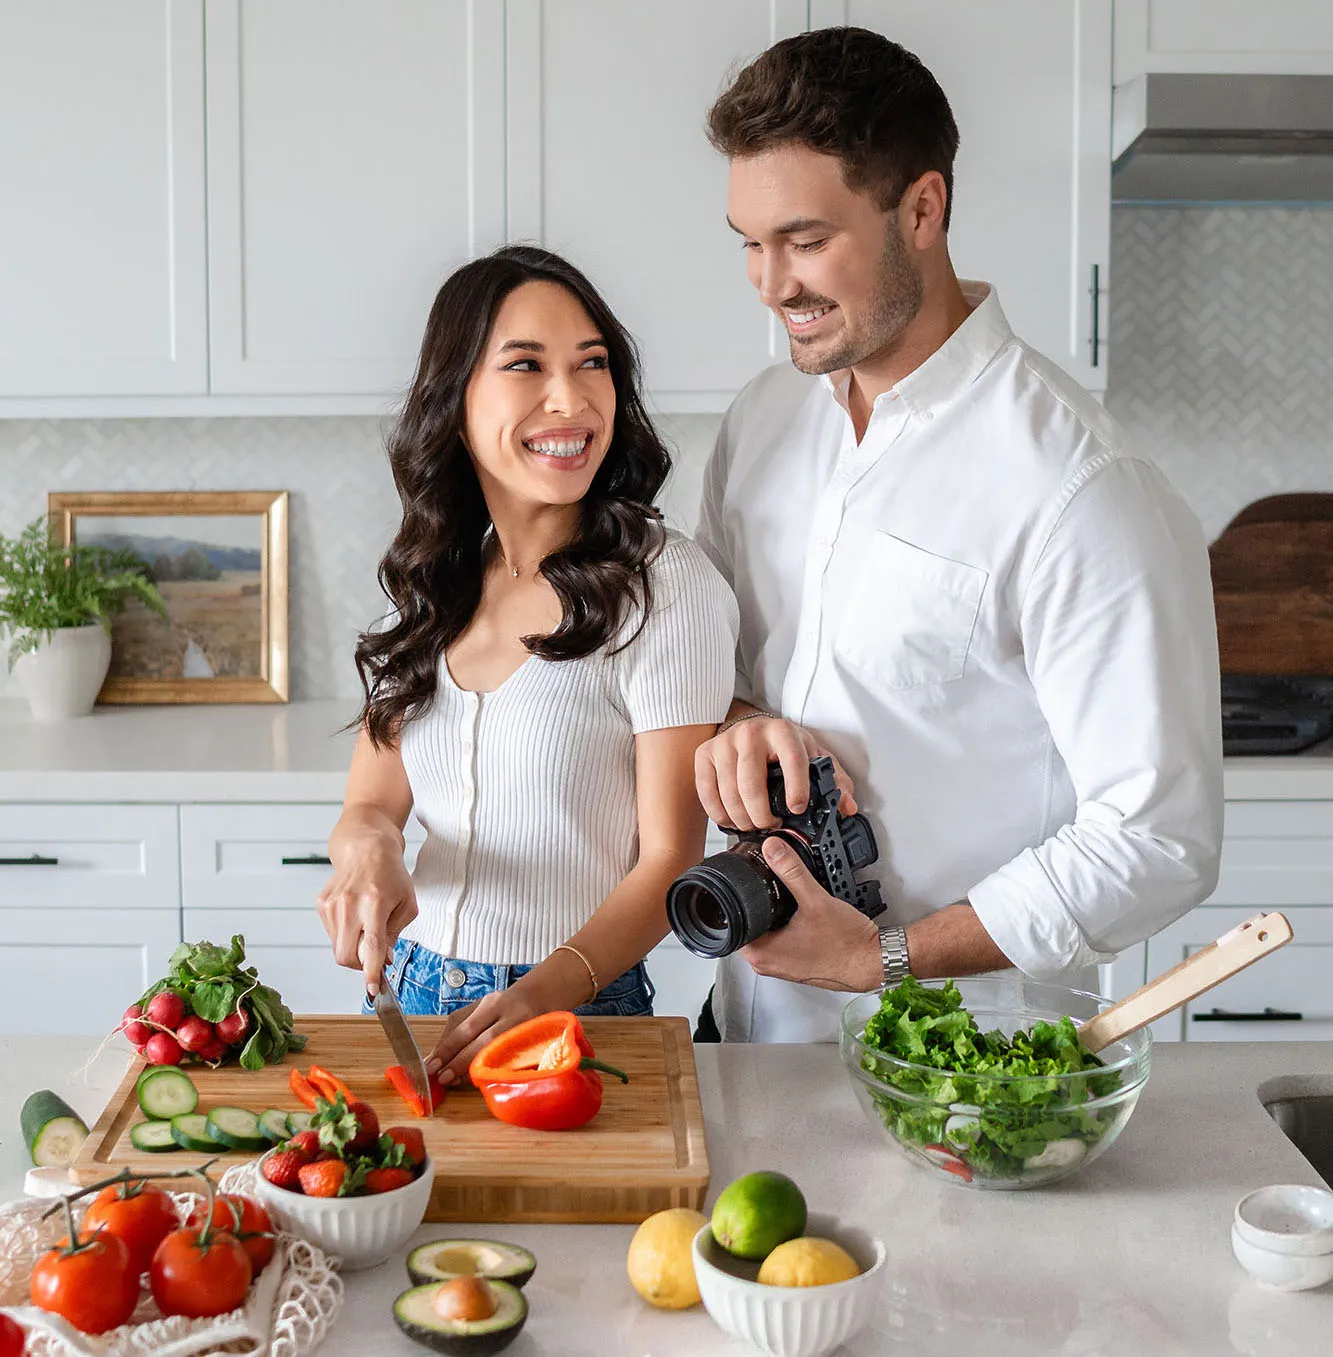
[731,772]
[469,1029]
[366,904]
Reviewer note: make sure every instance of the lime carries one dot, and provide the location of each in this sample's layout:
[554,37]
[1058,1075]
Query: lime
[757,1212]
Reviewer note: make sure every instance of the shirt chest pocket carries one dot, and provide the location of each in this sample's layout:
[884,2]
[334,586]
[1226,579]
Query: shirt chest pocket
[909,616]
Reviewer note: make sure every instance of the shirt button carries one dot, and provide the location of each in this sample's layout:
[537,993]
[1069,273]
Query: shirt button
[455,978]
[927,414]
[821,543]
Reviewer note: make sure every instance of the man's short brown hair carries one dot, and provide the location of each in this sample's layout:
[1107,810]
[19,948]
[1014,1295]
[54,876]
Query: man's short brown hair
[845,92]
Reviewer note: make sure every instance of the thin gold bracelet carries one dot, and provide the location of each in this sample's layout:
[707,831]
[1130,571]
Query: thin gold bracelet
[592,974]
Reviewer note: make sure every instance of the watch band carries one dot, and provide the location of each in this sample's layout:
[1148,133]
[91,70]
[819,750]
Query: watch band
[893,953]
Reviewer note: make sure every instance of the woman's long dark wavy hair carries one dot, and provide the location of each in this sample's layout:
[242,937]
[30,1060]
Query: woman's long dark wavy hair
[432,572]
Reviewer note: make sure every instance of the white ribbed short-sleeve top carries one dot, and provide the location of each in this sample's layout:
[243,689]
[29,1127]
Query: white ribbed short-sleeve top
[527,792]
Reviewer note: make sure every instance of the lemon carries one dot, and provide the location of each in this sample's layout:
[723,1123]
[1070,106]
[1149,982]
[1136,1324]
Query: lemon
[660,1264]
[808,1261]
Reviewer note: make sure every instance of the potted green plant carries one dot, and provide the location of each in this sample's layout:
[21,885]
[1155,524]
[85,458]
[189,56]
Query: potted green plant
[57,602]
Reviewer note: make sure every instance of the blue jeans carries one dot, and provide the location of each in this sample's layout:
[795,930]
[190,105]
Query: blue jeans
[424,982]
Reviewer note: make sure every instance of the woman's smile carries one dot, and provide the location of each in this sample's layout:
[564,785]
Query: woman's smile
[562,449]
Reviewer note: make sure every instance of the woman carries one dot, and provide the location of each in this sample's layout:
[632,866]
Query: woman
[554,659]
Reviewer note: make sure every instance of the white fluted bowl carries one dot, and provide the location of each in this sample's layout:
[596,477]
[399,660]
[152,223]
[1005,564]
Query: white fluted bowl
[790,1321]
[360,1231]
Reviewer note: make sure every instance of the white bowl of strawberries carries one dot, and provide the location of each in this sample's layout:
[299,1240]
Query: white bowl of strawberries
[348,1187]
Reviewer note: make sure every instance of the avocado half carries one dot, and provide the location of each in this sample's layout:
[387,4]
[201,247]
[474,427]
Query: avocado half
[444,1258]
[414,1312]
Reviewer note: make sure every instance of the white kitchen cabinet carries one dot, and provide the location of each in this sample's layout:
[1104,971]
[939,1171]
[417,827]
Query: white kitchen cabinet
[102,254]
[608,164]
[1283,37]
[59,860]
[74,972]
[249,856]
[1030,88]
[681,979]
[355,158]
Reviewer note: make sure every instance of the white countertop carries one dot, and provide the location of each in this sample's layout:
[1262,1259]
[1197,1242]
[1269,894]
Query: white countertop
[1130,1258]
[298,752]
[293,751]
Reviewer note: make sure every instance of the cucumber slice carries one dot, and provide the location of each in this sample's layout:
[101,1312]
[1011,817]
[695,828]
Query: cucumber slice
[237,1128]
[273,1125]
[190,1132]
[165,1092]
[299,1121]
[52,1130]
[153,1136]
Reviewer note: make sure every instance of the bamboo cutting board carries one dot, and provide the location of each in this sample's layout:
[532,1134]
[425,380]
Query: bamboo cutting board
[643,1152]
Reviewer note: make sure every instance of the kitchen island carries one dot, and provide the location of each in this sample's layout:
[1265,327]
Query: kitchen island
[1130,1258]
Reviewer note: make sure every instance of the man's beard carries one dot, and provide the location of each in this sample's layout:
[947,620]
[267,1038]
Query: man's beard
[899,292]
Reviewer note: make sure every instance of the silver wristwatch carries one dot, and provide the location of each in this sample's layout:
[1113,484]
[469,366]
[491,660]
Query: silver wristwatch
[893,953]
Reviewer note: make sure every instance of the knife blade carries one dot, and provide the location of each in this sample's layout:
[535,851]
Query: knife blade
[404,1044]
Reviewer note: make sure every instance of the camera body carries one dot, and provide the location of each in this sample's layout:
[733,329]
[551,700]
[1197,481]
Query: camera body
[733,897]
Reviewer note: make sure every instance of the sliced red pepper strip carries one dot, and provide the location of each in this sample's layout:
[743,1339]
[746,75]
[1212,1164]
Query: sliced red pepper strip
[540,1074]
[303,1088]
[402,1086]
[329,1085]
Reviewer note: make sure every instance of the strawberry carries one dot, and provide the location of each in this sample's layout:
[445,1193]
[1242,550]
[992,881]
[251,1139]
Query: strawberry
[367,1128]
[412,1141]
[283,1169]
[307,1142]
[324,1178]
[387,1180]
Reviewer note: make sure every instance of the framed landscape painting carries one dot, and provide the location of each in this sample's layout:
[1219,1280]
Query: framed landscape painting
[219,559]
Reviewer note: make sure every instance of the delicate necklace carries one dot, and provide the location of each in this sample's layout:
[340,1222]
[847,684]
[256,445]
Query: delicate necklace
[513,569]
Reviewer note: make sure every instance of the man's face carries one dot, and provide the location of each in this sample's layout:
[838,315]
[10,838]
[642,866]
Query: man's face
[830,263]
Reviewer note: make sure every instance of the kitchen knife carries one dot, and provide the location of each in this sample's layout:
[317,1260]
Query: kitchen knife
[404,1044]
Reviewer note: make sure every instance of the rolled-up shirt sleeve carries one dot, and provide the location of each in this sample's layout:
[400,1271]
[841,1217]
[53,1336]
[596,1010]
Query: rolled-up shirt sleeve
[1119,639]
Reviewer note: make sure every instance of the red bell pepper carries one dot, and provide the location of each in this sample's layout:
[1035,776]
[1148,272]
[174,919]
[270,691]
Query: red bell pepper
[305,1091]
[541,1074]
[328,1086]
[402,1085]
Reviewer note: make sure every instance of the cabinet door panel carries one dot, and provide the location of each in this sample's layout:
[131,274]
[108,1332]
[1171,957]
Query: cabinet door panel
[74,973]
[1290,982]
[615,171]
[681,979]
[1277,853]
[102,167]
[291,952]
[1030,89]
[246,857]
[355,158]
[77,858]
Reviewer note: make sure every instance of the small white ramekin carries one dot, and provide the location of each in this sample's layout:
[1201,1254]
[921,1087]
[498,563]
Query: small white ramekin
[1287,1218]
[361,1231]
[789,1321]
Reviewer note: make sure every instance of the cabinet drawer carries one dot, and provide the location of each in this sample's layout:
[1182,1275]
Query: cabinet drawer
[291,952]
[238,857]
[84,857]
[75,973]
[1276,853]
[1288,992]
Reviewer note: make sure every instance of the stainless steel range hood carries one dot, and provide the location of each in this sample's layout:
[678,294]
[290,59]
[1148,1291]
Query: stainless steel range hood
[1223,138]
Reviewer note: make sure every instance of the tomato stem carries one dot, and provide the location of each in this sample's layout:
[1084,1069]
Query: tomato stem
[128,1176]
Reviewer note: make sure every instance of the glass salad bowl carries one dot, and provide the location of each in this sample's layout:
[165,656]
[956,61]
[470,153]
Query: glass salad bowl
[979,1080]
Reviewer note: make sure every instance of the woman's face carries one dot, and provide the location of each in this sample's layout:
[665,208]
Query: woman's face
[541,406]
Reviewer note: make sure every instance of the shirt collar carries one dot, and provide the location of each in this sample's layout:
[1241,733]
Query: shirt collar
[955,365]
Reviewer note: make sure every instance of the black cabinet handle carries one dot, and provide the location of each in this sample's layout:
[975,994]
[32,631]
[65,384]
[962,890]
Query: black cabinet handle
[310,860]
[1096,291]
[1268,1015]
[34,860]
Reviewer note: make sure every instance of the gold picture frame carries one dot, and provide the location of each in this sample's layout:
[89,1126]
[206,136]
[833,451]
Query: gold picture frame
[226,638]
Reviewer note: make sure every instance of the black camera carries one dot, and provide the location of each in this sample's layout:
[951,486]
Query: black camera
[733,898]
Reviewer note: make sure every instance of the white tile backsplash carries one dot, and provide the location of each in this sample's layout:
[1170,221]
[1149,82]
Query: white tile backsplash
[1221,364]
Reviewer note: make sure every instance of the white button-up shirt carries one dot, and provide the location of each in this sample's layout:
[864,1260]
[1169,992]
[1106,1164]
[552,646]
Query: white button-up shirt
[999,618]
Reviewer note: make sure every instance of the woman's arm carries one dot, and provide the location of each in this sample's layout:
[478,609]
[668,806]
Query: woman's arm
[369,898]
[627,924]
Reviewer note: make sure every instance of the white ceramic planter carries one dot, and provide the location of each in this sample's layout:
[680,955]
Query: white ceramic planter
[62,677]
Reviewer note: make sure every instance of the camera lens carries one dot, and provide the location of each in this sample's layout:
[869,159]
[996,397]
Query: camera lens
[727,900]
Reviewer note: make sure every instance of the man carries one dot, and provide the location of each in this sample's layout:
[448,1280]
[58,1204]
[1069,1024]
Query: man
[953,575]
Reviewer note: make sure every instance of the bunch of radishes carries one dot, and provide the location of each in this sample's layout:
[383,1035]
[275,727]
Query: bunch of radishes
[166,1031]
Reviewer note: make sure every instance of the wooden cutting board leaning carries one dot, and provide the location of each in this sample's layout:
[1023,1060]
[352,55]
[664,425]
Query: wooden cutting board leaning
[643,1152]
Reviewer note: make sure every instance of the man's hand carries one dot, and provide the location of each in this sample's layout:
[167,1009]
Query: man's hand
[828,943]
[731,772]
